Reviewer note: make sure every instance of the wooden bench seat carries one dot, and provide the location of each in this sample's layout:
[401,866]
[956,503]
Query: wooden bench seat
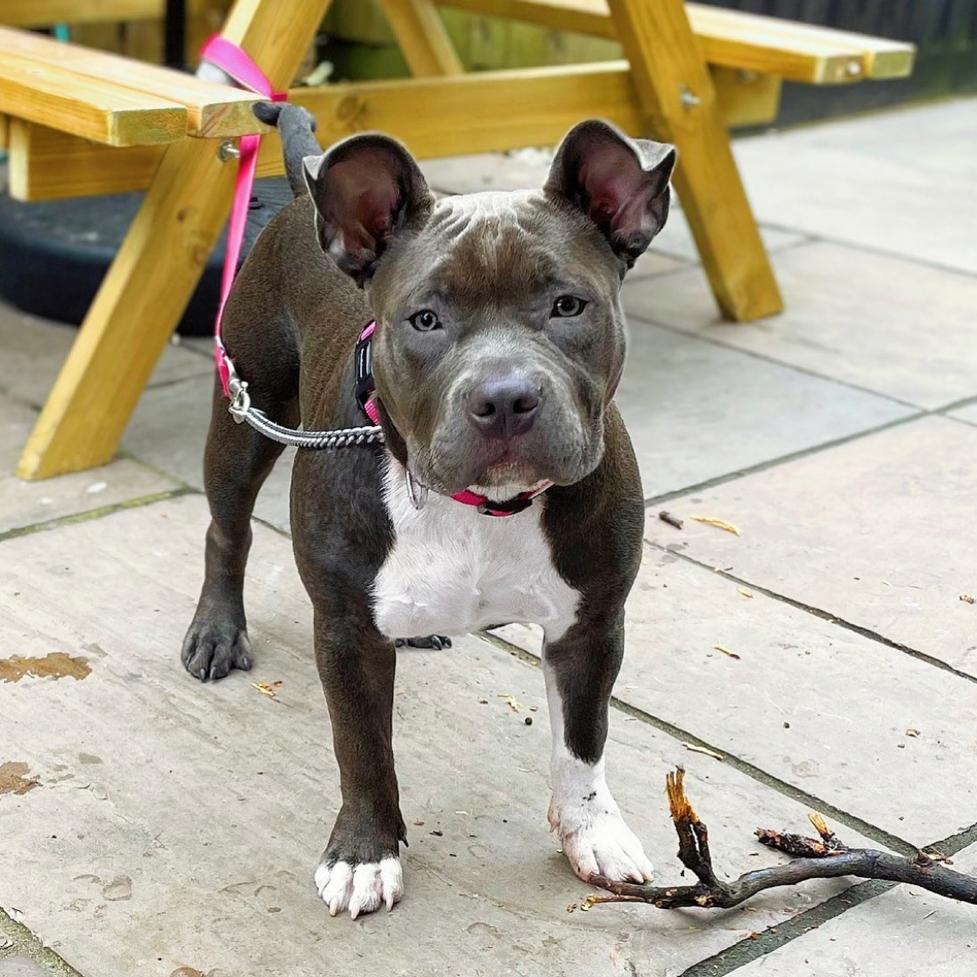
[733,39]
[111,99]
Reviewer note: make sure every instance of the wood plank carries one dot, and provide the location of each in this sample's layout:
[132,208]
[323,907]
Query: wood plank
[44,13]
[463,114]
[97,110]
[45,164]
[157,267]
[745,98]
[212,110]
[676,94]
[422,38]
[733,39]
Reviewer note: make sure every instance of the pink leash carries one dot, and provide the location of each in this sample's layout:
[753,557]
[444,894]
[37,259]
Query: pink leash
[238,64]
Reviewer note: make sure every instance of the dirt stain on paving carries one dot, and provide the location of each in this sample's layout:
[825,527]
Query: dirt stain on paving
[13,778]
[55,665]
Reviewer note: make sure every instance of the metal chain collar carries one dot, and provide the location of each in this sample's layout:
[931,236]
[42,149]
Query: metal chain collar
[242,411]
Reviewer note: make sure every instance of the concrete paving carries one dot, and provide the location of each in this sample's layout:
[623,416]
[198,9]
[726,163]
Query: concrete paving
[825,657]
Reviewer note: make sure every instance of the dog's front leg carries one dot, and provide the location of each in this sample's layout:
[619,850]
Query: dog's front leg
[360,868]
[580,668]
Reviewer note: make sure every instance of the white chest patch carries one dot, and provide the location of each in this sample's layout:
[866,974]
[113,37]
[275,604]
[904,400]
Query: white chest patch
[453,570]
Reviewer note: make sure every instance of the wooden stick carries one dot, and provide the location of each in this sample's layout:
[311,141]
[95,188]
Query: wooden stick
[826,858]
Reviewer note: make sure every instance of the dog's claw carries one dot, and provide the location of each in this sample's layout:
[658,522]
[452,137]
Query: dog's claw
[212,649]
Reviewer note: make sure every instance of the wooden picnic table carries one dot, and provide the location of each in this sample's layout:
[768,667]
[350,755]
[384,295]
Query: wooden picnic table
[78,121]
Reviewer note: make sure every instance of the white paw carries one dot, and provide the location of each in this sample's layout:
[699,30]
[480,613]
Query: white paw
[596,840]
[360,888]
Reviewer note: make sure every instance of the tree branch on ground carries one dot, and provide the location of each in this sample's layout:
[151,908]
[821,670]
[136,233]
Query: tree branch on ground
[825,857]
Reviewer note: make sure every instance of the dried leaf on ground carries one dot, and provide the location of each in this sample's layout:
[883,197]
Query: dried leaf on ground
[968,598]
[912,732]
[718,523]
[269,689]
[745,592]
[511,701]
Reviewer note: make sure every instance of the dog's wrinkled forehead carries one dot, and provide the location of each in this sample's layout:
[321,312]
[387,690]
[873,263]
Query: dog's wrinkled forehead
[500,247]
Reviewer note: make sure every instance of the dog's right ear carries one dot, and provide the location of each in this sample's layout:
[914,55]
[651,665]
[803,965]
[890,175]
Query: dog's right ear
[366,190]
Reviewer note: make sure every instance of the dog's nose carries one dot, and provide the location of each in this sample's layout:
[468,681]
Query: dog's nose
[503,408]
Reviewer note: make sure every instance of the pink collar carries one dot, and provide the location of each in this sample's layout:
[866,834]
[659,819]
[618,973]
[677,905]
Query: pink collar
[366,394]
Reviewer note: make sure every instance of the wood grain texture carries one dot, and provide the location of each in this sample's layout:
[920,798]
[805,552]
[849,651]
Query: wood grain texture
[212,110]
[87,107]
[733,39]
[43,13]
[157,267]
[422,37]
[679,102]
[48,165]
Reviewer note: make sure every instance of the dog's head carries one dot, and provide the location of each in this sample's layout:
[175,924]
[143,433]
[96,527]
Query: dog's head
[500,338]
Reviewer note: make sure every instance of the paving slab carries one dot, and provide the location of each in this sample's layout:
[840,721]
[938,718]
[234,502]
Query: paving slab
[169,431]
[906,932]
[20,966]
[898,329]
[899,181]
[878,532]
[696,411]
[23,504]
[968,414]
[501,171]
[176,825]
[835,714]
[34,350]
[683,431]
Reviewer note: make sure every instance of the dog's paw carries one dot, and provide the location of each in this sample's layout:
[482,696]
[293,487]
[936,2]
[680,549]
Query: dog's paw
[597,841]
[213,647]
[435,641]
[360,888]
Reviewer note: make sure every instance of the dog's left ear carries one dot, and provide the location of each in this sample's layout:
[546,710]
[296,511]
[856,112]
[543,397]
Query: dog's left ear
[366,189]
[621,184]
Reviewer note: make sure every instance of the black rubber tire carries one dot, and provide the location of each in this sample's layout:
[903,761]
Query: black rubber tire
[55,253]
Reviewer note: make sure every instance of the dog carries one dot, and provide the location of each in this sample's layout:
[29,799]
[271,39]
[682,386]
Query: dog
[506,488]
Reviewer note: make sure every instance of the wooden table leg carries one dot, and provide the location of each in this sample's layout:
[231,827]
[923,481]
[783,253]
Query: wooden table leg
[422,38]
[158,266]
[677,95]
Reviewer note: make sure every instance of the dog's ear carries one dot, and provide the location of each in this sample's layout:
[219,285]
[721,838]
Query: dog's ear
[366,190]
[621,184]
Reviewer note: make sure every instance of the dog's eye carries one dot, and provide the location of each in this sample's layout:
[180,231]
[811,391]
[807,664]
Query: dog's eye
[425,320]
[567,306]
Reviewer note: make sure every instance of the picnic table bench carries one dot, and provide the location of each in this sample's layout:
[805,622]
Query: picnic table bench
[77,121]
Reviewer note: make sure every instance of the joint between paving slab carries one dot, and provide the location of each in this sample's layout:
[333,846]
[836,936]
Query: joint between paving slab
[819,613]
[873,250]
[878,835]
[99,513]
[24,943]
[763,357]
[763,466]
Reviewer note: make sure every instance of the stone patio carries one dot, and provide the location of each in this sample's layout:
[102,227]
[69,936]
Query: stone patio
[151,826]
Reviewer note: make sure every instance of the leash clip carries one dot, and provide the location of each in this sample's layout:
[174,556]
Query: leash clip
[240,399]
